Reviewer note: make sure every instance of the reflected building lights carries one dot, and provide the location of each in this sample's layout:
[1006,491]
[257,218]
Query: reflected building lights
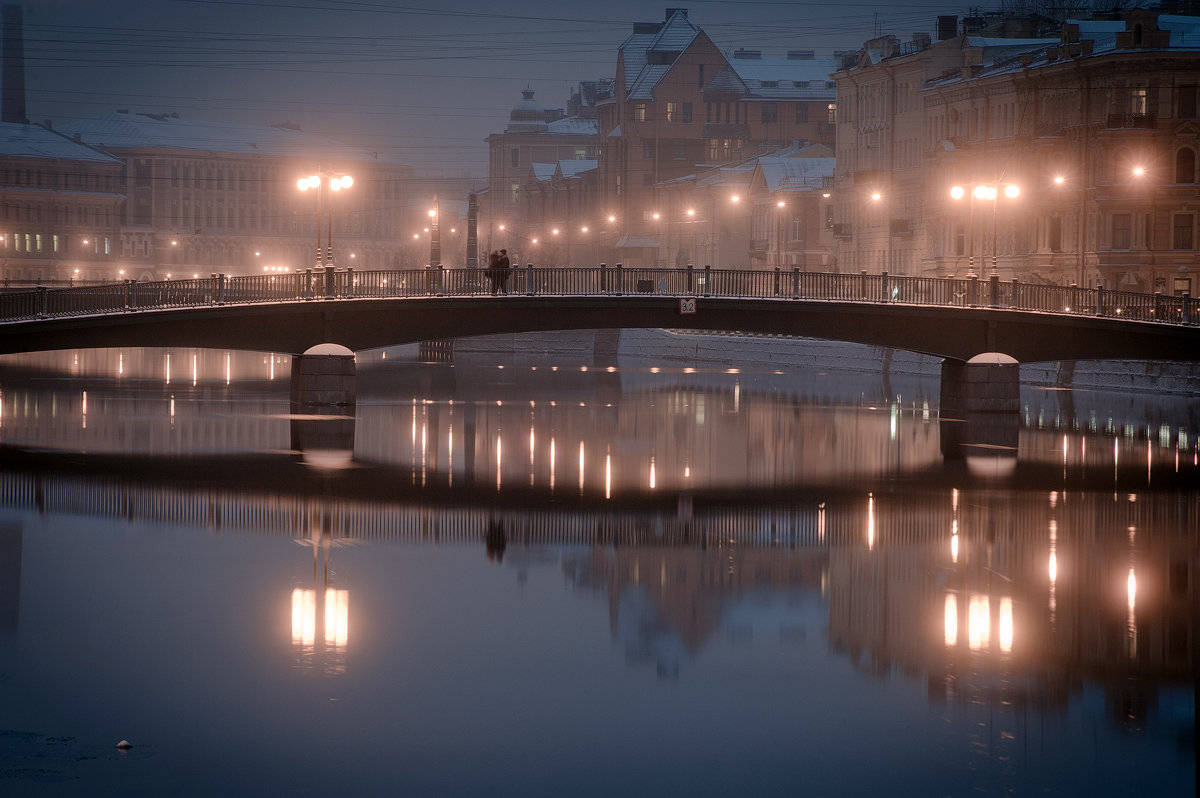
[1006,625]
[83,411]
[167,369]
[499,460]
[608,475]
[652,481]
[870,522]
[228,368]
[978,622]
[581,462]
[950,620]
[1131,640]
[195,369]
[552,465]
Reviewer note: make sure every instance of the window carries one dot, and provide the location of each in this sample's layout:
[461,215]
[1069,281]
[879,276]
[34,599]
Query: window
[960,240]
[1122,228]
[770,113]
[677,151]
[700,82]
[831,113]
[1186,100]
[1056,234]
[1182,225]
[516,158]
[685,113]
[1137,102]
[801,113]
[1185,165]
[672,112]
[639,112]
[648,149]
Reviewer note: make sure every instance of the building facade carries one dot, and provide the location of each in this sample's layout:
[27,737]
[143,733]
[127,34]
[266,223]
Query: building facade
[60,206]
[204,197]
[525,156]
[1035,149]
[681,106]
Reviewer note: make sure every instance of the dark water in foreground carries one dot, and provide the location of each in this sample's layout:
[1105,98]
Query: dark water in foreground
[560,578]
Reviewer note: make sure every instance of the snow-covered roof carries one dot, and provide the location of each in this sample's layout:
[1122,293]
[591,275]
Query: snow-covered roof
[544,171]
[644,71]
[139,131]
[792,173]
[787,78]
[34,141]
[573,126]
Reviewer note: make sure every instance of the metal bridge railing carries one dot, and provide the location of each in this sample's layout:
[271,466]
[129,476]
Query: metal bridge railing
[316,285]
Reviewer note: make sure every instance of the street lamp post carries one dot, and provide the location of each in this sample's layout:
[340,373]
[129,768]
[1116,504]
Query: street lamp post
[988,192]
[334,183]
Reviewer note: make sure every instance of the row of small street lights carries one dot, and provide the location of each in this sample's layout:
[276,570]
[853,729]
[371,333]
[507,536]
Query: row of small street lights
[330,183]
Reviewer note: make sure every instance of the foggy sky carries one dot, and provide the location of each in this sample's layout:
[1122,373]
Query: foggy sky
[421,83]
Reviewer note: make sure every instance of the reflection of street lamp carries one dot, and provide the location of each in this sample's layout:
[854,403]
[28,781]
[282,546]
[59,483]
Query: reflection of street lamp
[333,183]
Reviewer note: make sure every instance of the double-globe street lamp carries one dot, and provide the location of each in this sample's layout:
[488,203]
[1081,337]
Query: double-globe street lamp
[986,192]
[325,182]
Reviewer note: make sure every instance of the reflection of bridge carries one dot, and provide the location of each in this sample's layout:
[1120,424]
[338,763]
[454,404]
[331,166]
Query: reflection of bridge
[951,318]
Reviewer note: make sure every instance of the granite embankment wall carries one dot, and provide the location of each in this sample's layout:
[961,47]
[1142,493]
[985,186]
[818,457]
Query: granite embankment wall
[756,352]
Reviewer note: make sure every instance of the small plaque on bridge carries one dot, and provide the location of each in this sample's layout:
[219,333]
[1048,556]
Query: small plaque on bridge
[687,304]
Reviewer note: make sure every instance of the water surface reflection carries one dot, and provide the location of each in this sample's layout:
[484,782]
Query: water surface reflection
[743,584]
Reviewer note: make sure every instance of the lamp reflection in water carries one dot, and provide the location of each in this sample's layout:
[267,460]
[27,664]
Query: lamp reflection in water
[320,615]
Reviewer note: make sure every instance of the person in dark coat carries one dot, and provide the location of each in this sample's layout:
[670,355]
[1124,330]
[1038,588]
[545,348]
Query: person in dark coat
[503,267]
[493,270]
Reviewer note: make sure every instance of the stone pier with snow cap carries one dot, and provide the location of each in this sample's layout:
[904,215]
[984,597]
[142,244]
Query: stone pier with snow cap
[987,383]
[323,377]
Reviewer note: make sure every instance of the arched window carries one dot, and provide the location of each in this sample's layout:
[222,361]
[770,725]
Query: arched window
[1185,165]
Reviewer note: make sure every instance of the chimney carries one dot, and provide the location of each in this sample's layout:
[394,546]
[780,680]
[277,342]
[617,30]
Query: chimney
[947,27]
[12,104]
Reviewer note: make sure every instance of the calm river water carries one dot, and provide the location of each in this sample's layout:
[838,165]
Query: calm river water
[552,573]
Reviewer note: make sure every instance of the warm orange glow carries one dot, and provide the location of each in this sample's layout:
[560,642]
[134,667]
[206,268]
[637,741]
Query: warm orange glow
[950,621]
[304,617]
[1059,180]
[337,617]
[1006,624]
[978,622]
[1138,171]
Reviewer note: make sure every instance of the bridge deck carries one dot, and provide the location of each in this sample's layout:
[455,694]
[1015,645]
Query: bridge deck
[953,318]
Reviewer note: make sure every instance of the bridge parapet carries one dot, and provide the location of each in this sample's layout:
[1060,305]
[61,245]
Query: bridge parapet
[331,285]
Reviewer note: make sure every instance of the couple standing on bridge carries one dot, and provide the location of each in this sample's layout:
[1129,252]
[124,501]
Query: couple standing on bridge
[498,268]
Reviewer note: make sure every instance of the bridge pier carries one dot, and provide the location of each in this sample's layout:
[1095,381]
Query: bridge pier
[322,403]
[323,376]
[988,383]
[980,413]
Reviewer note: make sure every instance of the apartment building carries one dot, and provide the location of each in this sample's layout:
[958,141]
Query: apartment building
[60,207]
[207,196]
[1039,150]
[680,106]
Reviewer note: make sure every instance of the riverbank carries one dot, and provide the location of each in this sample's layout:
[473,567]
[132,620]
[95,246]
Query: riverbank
[758,352]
